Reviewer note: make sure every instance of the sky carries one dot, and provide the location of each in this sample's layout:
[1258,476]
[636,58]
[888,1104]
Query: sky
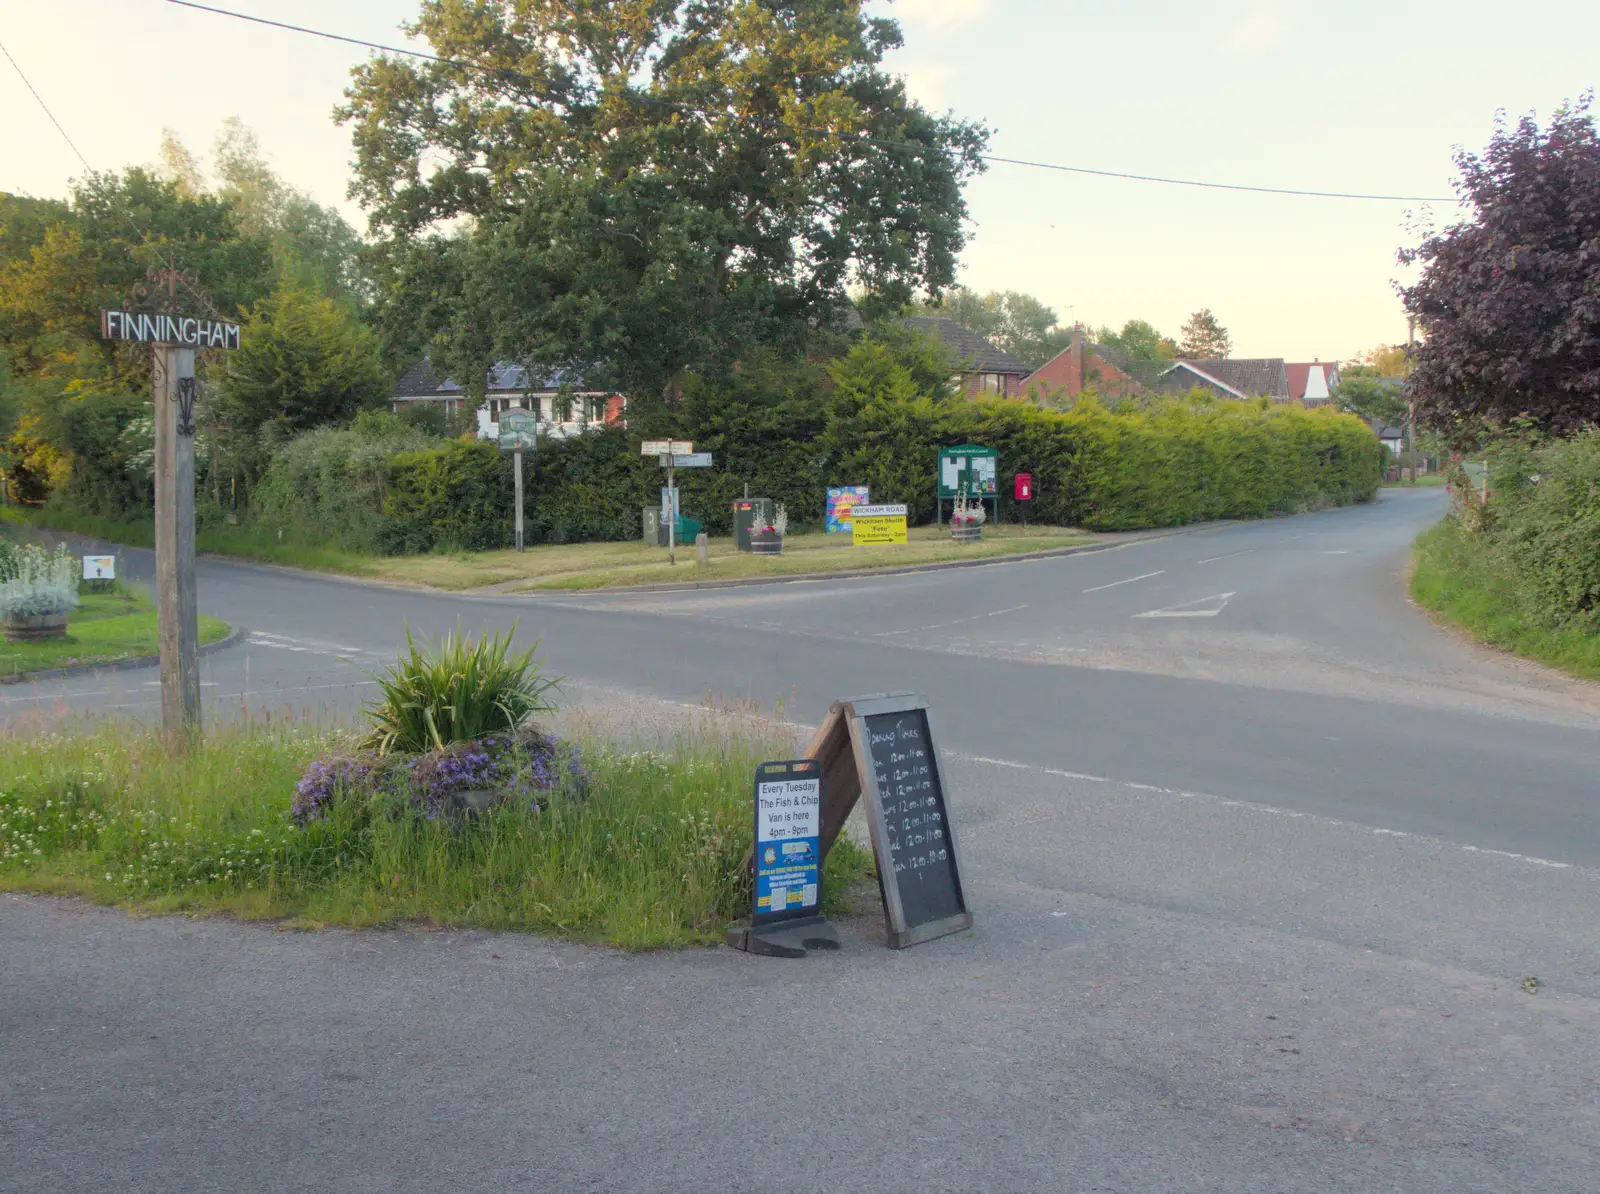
[1360,95]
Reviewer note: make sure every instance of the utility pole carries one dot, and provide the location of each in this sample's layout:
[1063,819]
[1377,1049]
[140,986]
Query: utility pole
[1411,405]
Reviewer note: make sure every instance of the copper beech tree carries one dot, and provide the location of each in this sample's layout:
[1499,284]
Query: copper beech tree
[1509,299]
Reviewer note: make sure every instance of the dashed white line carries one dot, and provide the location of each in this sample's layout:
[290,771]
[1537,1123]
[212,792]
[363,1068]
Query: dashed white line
[1129,581]
[1229,556]
[1267,809]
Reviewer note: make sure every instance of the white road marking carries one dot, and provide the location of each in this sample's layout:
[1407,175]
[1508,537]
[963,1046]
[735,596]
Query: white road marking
[1249,806]
[1229,556]
[1184,610]
[1012,610]
[1340,552]
[1129,581]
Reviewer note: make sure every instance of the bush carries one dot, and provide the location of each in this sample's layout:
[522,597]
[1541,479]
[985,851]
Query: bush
[1540,531]
[329,485]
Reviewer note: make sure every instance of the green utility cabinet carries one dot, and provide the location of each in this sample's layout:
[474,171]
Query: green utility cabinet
[748,513]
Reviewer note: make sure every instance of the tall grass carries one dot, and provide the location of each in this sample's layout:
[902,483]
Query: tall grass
[652,857]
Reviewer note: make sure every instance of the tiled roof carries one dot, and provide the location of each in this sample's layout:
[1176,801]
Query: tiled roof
[976,353]
[420,381]
[1300,375]
[1250,378]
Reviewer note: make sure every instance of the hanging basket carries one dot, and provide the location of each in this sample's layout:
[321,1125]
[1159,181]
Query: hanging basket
[36,629]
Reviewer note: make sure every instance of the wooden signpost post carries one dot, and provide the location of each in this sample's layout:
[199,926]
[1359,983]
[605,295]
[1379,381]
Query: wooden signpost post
[174,340]
[519,429]
[674,454]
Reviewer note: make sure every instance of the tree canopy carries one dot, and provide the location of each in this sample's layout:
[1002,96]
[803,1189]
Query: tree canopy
[1013,322]
[1204,338]
[1139,341]
[644,186]
[1509,299]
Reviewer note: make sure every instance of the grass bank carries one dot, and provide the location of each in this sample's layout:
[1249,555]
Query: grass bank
[587,565]
[1455,577]
[105,628]
[651,858]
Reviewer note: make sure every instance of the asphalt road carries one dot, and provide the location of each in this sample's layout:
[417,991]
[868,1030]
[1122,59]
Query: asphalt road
[1260,860]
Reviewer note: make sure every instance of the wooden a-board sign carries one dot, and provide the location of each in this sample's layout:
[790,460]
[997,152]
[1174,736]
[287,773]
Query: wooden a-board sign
[881,747]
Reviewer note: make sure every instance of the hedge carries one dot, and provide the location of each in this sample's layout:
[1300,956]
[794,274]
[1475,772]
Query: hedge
[1182,462]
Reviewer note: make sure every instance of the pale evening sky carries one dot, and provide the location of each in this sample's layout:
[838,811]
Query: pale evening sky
[1359,95]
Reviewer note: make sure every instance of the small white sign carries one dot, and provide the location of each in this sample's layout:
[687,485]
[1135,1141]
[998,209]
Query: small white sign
[899,511]
[789,808]
[655,447]
[99,567]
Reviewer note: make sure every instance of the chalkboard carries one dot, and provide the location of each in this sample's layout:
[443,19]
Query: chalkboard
[912,836]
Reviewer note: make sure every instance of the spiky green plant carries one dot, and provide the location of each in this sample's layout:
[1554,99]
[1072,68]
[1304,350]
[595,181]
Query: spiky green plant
[463,689]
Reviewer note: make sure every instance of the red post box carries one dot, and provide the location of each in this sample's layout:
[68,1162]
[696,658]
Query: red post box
[1024,487]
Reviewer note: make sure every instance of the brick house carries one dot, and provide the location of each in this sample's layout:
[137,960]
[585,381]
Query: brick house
[1082,365]
[986,371]
[564,405]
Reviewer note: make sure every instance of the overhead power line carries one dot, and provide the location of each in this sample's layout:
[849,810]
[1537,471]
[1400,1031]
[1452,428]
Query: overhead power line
[26,82]
[464,64]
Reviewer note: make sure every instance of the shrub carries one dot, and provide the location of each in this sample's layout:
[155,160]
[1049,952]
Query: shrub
[1544,535]
[40,582]
[329,485]
[464,690]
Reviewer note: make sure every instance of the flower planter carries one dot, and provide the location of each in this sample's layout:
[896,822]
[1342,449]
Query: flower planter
[966,532]
[766,543]
[36,628]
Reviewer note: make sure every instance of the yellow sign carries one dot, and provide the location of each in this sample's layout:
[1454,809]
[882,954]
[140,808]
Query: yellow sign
[877,524]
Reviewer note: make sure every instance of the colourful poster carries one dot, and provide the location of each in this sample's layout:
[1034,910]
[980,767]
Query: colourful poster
[841,501]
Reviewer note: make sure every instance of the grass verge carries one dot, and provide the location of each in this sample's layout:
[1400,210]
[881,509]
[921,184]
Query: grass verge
[1429,481]
[586,565]
[1452,577]
[651,858]
[105,628]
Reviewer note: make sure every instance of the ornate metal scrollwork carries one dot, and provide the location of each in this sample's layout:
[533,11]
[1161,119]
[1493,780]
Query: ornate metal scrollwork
[186,396]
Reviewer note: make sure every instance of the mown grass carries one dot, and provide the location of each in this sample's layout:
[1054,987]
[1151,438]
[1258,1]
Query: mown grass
[1456,579]
[106,627]
[585,565]
[651,858]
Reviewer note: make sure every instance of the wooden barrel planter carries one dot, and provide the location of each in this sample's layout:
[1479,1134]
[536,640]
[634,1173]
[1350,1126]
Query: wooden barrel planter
[966,532]
[36,629]
[766,543]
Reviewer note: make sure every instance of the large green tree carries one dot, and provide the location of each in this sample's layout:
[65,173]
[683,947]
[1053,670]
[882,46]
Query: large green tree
[312,246]
[642,187]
